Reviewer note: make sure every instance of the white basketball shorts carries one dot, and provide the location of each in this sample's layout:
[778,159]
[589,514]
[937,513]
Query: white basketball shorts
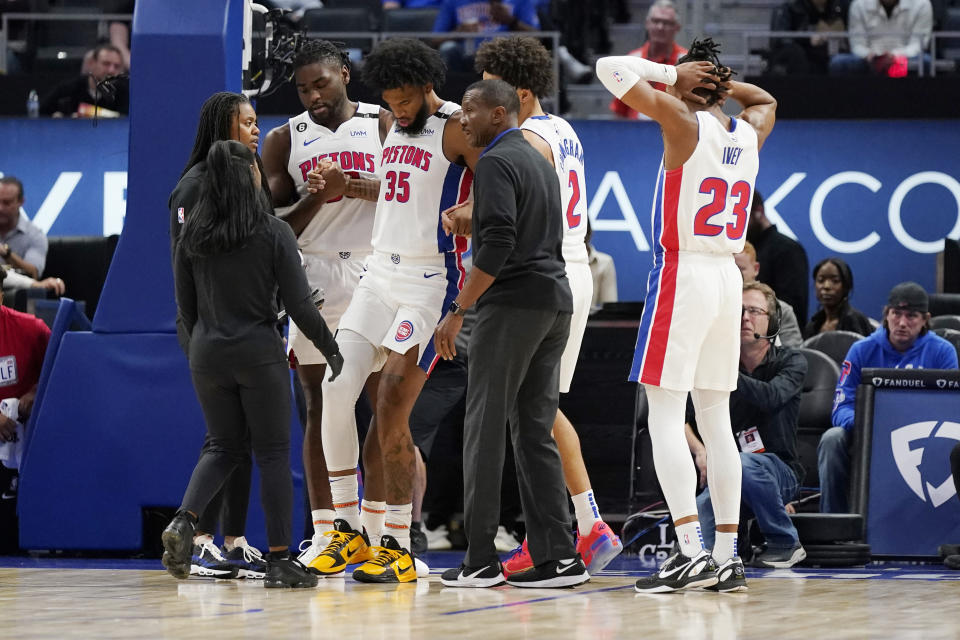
[581,286]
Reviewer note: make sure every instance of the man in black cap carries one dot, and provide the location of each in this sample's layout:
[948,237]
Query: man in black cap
[904,341]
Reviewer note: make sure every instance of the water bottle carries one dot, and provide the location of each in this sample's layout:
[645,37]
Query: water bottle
[33,104]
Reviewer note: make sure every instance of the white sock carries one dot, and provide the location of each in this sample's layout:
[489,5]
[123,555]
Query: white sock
[587,512]
[202,538]
[373,513]
[690,538]
[345,499]
[398,523]
[725,547]
[322,520]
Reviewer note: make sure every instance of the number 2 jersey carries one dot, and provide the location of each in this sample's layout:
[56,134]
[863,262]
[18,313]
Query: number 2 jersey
[568,163]
[344,224]
[417,183]
[704,204]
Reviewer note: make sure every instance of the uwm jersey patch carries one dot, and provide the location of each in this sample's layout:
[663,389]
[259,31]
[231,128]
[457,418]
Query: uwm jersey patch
[344,224]
[417,183]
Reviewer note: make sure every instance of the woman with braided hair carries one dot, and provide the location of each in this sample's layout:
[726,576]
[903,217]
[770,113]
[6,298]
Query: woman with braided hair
[689,333]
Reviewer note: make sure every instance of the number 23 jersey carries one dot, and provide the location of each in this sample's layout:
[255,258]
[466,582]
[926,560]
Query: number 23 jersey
[704,204]
[417,183]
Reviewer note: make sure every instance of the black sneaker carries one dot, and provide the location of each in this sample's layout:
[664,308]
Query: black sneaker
[730,577]
[779,558]
[952,562]
[248,560]
[177,541]
[680,572]
[552,574]
[418,539]
[947,550]
[490,575]
[208,562]
[285,571]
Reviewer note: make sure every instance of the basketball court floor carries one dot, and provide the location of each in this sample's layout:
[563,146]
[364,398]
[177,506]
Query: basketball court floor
[64,598]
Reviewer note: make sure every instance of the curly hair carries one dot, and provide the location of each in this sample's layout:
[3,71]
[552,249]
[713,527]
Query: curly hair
[708,51]
[312,51]
[400,62]
[520,61]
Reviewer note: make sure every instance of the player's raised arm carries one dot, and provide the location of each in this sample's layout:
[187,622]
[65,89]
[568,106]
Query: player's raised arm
[628,78]
[759,107]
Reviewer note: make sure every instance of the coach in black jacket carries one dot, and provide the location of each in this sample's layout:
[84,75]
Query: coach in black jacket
[523,319]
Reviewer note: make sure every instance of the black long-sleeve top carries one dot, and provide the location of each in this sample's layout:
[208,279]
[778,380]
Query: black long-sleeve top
[784,266]
[769,398]
[518,226]
[227,302]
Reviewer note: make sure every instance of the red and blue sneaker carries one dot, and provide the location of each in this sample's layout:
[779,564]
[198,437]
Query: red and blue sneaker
[518,561]
[598,548]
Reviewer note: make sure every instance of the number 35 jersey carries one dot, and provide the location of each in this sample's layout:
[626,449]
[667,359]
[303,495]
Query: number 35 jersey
[417,183]
[704,204]
[568,162]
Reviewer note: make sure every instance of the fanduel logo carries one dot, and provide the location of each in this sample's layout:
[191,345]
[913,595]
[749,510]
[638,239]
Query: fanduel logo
[908,460]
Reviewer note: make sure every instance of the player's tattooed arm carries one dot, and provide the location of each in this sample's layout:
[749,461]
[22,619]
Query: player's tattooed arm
[363,188]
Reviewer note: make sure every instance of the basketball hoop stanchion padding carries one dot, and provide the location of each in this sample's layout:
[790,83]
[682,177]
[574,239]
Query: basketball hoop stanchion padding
[119,427]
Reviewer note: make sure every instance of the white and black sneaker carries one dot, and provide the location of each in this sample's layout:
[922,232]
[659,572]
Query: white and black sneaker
[779,558]
[730,577]
[208,561]
[552,574]
[490,575]
[680,572]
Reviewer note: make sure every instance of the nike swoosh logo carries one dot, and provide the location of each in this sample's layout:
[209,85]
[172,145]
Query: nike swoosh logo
[306,142]
[564,568]
[672,571]
[474,574]
[430,275]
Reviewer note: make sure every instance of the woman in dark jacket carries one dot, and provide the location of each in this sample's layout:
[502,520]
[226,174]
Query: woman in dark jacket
[232,259]
[833,284]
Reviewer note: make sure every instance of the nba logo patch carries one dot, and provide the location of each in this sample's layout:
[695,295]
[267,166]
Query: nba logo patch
[404,331]
[180,215]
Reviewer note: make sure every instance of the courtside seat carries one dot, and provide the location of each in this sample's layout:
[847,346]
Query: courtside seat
[833,343]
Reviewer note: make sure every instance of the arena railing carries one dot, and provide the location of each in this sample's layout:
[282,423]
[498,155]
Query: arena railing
[839,37]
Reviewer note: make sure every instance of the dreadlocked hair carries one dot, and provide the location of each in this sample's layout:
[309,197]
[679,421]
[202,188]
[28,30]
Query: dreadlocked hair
[706,50]
[521,61]
[401,62]
[215,122]
[313,51]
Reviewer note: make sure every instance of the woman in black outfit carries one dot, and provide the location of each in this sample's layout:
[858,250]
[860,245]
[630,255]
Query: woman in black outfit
[223,116]
[833,284]
[232,259]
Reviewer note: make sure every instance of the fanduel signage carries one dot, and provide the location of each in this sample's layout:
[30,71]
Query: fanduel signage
[882,195]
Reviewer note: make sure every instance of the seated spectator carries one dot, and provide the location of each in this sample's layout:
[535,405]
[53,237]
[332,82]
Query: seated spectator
[604,273]
[23,343]
[23,245]
[904,341]
[663,25]
[804,55]
[952,557]
[784,259]
[885,37]
[77,98]
[833,284]
[484,17]
[15,280]
[763,413]
[788,328]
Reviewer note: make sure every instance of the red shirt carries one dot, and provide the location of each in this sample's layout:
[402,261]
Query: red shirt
[623,110]
[23,343]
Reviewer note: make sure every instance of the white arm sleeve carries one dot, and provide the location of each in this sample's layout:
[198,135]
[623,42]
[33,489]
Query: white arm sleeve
[619,73]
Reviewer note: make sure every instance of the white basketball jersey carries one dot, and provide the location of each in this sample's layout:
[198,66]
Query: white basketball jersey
[704,204]
[344,224]
[568,162]
[417,183]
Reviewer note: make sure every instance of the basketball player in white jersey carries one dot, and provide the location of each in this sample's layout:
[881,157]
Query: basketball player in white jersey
[689,331]
[334,225]
[410,280]
[525,63]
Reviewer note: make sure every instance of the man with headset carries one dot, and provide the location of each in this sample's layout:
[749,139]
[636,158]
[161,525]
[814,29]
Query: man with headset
[763,412]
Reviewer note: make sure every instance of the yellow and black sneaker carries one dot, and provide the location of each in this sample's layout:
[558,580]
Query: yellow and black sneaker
[345,545]
[393,563]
